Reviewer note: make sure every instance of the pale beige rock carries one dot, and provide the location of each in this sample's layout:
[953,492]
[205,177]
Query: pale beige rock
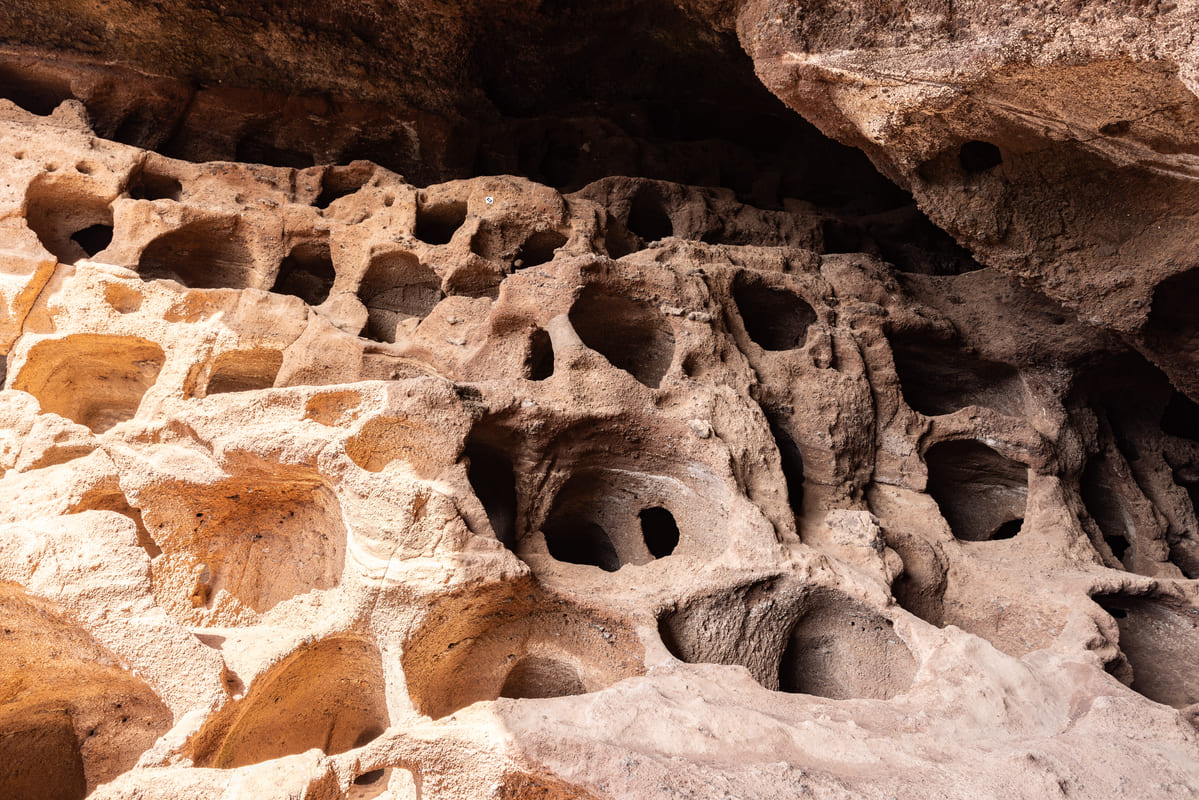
[351,488]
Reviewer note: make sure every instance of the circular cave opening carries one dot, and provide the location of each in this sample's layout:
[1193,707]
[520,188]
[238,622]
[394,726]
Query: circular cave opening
[978,156]
[982,494]
[631,334]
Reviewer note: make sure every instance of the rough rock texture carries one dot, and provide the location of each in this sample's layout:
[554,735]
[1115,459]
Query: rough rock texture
[493,430]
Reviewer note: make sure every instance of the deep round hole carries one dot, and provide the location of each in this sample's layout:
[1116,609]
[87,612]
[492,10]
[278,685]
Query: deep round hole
[306,273]
[648,218]
[539,364]
[436,224]
[580,541]
[775,318]
[660,531]
[981,493]
[367,778]
[1007,530]
[93,238]
[494,482]
[977,156]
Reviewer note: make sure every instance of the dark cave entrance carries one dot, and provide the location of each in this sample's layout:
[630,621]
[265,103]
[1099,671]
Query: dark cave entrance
[565,95]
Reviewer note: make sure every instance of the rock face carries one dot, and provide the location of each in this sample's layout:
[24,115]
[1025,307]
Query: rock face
[497,430]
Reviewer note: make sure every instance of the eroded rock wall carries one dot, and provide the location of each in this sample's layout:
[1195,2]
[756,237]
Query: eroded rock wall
[703,466]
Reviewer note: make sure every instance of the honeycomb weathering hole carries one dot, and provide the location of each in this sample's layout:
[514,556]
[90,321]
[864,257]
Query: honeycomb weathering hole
[581,541]
[981,494]
[339,182]
[200,255]
[609,517]
[538,249]
[70,221]
[775,318]
[78,721]
[648,217]
[244,371]
[1160,640]
[1105,505]
[245,544]
[39,93]
[494,482]
[539,677]
[147,184]
[978,156]
[436,223]
[632,334]
[938,378]
[306,273]
[660,531]
[790,459]
[328,696]
[539,363]
[825,644]
[513,648]
[93,238]
[397,288]
[95,380]
[843,649]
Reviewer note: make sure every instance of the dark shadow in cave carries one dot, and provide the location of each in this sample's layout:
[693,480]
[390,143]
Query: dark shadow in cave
[564,94]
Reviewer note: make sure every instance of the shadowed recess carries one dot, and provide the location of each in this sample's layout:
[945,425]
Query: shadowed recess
[981,493]
[790,459]
[147,184]
[437,223]
[208,254]
[494,482]
[538,249]
[1099,489]
[327,696]
[306,273]
[843,649]
[1172,325]
[632,334]
[660,531]
[539,363]
[608,516]
[504,645]
[539,677]
[775,318]
[398,291]
[95,380]
[648,217]
[940,378]
[1181,417]
[339,182]
[1159,639]
[69,219]
[978,156]
[580,541]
